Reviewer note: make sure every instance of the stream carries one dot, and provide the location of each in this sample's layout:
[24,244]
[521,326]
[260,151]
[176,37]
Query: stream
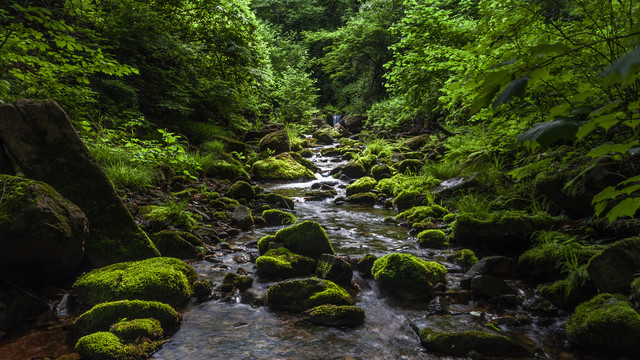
[234,329]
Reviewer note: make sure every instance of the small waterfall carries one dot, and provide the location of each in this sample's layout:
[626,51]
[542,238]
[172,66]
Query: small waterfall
[335,119]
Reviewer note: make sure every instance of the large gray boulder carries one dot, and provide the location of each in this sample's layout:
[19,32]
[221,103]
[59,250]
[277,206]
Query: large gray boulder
[41,232]
[40,139]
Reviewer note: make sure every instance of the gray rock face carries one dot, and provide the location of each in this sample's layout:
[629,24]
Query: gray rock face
[40,139]
[41,232]
[241,216]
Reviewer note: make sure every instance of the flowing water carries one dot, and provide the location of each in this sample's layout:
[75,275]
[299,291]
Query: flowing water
[233,329]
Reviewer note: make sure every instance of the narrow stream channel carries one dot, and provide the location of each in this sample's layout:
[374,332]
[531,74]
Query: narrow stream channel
[233,329]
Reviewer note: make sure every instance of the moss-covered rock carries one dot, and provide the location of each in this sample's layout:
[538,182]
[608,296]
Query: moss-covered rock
[107,346]
[435,239]
[42,232]
[417,142]
[407,199]
[242,218]
[407,276]
[263,243]
[365,264]
[282,263]
[323,137]
[336,316]
[546,259]
[231,144]
[304,294]
[607,324]
[280,167]
[278,217]
[241,190]
[333,268]
[464,258]
[227,170]
[381,171]
[421,213]
[277,141]
[132,329]
[307,238]
[615,267]
[202,289]
[503,230]
[173,244]
[233,281]
[102,316]
[167,280]
[409,166]
[363,198]
[304,162]
[462,334]
[362,185]
[565,295]
[354,170]
[276,200]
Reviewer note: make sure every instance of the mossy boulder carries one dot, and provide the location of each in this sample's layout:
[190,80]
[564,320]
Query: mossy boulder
[353,170]
[202,289]
[177,244]
[407,276]
[381,171]
[102,316]
[365,264]
[435,239]
[42,232]
[500,231]
[343,316]
[307,238]
[546,259]
[44,145]
[277,141]
[607,324]
[278,217]
[407,199]
[363,198]
[464,258]
[107,346]
[241,190]
[333,268]
[421,213]
[362,185]
[463,334]
[133,329]
[282,263]
[323,137]
[242,218]
[565,295]
[409,166]
[233,282]
[304,162]
[162,279]
[231,144]
[280,167]
[303,294]
[226,169]
[615,267]
[276,200]
[417,142]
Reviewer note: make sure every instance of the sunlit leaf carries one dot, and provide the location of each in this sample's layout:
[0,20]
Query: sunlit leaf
[627,207]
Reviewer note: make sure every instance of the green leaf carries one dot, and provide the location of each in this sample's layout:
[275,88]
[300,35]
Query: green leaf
[549,132]
[627,207]
[515,89]
[611,148]
[624,67]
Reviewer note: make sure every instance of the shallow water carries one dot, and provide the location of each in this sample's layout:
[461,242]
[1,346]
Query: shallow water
[232,330]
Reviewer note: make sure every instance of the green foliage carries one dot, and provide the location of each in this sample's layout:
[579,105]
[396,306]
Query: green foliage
[174,212]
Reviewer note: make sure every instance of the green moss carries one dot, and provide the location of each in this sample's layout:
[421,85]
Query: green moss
[241,190]
[222,169]
[422,213]
[102,316]
[464,258]
[303,294]
[307,238]
[558,292]
[161,279]
[449,218]
[547,259]
[263,243]
[461,343]
[407,199]
[280,167]
[131,330]
[363,198]
[202,289]
[409,166]
[304,162]
[324,194]
[282,263]
[436,239]
[607,323]
[381,171]
[278,217]
[276,200]
[336,316]
[407,276]
[232,281]
[100,346]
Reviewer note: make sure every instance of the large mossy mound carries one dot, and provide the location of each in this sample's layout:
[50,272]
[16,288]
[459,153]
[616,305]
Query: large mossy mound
[241,190]
[432,238]
[500,231]
[304,294]
[463,334]
[337,316]
[307,238]
[102,316]
[407,276]
[422,213]
[277,141]
[178,244]
[107,346]
[606,324]
[167,280]
[42,233]
[282,263]
[280,167]
[361,185]
[276,200]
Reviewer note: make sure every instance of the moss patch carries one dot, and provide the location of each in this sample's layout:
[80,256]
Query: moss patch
[361,185]
[102,316]
[278,217]
[464,258]
[435,239]
[160,279]
[276,200]
[280,167]
[307,238]
[421,213]
[336,316]
[282,263]
[241,190]
[304,294]
[131,330]
[407,276]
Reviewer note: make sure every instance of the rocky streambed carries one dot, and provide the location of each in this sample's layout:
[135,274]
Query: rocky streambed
[484,310]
